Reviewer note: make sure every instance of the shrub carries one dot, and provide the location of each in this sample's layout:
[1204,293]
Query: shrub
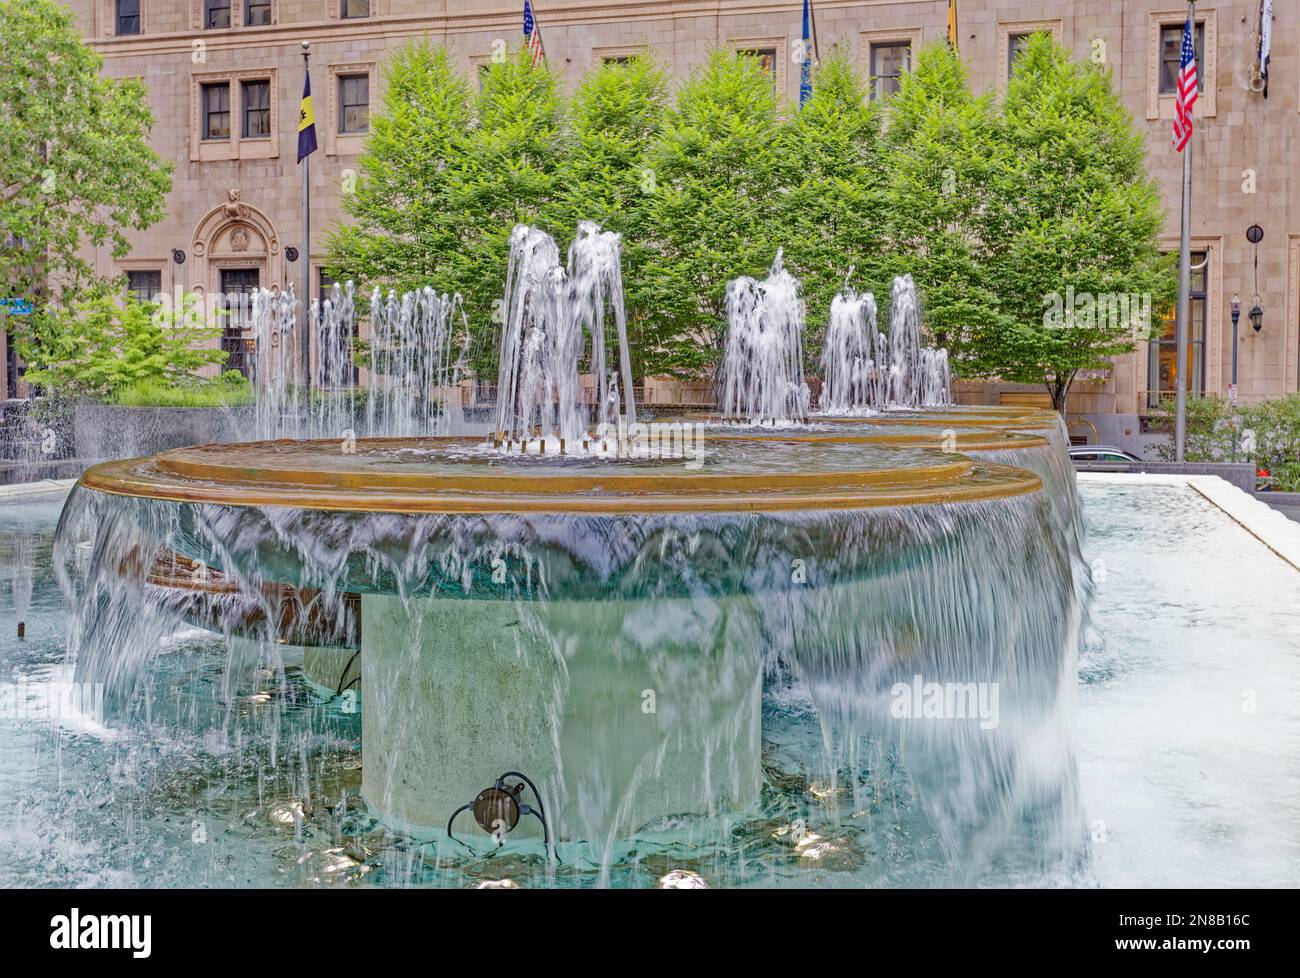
[105,345]
[231,389]
[1265,433]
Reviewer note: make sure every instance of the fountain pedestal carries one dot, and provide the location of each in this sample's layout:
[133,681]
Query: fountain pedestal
[624,713]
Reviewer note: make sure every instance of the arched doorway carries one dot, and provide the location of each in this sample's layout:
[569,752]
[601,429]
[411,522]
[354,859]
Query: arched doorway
[236,249]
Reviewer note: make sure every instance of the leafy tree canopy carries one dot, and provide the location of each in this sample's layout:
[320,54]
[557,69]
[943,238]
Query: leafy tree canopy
[76,168]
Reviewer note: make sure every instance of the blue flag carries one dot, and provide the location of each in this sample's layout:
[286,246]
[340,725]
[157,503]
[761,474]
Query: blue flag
[306,121]
[805,72]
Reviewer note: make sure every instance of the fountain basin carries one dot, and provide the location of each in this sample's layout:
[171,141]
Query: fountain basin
[604,625]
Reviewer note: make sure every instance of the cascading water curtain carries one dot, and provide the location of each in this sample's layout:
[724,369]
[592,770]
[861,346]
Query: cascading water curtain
[853,376]
[865,370]
[416,363]
[334,326]
[274,323]
[905,344]
[551,313]
[762,362]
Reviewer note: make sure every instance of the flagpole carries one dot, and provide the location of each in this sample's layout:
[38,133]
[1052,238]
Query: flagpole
[1182,322]
[304,328]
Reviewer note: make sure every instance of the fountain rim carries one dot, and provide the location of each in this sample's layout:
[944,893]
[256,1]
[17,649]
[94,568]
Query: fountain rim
[993,418]
[969,440]
[183,475]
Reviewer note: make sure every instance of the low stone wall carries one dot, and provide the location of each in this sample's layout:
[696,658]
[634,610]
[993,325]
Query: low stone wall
[1239,474]
[1286,503]
[109,431]
[17,473]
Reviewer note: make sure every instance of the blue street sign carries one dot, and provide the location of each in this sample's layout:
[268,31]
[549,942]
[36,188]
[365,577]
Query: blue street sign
[17,307]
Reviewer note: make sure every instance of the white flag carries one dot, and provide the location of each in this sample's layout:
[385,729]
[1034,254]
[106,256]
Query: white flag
[1265,40]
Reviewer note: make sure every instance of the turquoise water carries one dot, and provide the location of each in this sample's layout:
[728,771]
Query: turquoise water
[228,775]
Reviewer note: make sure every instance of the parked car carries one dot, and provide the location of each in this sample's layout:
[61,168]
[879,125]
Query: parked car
[1100,453]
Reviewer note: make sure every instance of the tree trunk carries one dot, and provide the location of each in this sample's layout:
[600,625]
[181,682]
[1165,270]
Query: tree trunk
[1059,389]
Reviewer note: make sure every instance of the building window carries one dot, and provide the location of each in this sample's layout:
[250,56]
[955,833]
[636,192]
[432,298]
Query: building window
[257,109]
[1164,349]
[1171,51]
[618,59]
[216,111]
[888,62]
[354,103]
[766,58]
[144,284]
[257,13]
[1016,45]
[216,14]
[128,17]
[351,9]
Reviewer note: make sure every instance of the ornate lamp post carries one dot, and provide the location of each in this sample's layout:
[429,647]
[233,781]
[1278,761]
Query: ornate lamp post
[1236,317]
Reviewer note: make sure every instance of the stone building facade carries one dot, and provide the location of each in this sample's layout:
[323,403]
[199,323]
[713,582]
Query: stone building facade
[235,208]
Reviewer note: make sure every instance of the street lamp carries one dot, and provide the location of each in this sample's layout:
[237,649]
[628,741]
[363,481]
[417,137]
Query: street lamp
[1236,317]
[1255,234]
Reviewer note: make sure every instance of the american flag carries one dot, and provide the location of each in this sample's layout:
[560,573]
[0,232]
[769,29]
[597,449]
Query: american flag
[534,35]
[1186,97]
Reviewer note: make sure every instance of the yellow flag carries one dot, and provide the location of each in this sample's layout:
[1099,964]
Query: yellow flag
[952,25]
[306,122]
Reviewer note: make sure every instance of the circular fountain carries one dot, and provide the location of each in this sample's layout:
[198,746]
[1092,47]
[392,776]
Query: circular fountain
[568,599]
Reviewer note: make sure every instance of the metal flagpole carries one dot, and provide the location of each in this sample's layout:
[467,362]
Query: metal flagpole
[1183,320]
[304,327]
[1184,309]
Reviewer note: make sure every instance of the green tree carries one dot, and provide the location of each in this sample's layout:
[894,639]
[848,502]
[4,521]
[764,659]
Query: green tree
[507,174]
[939,151]
[76,169]
[403,227]
[1071,224]
[713,213]
[617,114]
[445,177]
[832,211]
[103,345]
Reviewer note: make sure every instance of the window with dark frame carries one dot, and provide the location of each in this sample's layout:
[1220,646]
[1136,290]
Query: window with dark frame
[1016,44]
[128,17]
[1171,56]
[618,59]
[350,9]
[354,103]
[216,111]
[216,14]
[257,109]
[144,283]
[237,287]
[888,62]
[766,58]
[257,13]
[1164,369]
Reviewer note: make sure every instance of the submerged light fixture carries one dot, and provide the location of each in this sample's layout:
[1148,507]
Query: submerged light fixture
[498,808]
